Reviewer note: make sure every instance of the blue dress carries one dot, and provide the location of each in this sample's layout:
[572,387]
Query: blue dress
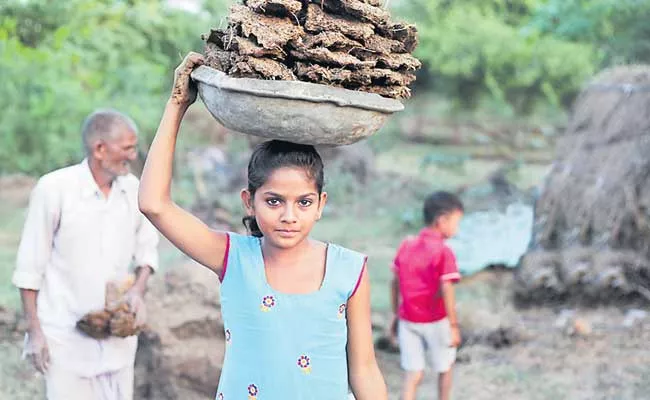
[285,346]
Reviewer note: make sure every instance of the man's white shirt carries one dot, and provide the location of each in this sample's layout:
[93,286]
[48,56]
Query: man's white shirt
[74,241]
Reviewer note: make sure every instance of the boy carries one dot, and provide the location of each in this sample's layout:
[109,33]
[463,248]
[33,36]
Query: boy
[422,295]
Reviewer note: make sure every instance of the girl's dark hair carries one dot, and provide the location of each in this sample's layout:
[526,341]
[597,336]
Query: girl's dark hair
[268,157]
[440,203]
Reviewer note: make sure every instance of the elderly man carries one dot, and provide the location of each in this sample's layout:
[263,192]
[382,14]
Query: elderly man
[83,230]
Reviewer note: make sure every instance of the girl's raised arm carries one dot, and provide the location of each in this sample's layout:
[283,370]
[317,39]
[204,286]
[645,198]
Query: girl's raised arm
[184,230]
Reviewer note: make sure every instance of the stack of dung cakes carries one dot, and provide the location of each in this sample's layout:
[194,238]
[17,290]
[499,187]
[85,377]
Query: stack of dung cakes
[351,44]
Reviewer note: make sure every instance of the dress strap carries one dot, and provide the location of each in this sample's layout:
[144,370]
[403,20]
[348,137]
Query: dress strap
[346,268]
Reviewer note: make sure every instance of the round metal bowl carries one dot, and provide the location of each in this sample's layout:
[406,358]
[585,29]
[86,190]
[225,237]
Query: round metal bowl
[294,111]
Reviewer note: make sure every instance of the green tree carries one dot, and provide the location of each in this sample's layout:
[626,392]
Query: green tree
[474,48]
[61,60]
[619,29]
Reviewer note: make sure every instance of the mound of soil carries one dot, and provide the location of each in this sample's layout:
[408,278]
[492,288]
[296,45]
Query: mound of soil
[180,354]
[345,43]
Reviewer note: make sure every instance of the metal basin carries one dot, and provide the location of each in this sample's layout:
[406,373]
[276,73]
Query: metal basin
[295,111]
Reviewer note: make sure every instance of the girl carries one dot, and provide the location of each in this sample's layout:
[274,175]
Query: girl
[296,311]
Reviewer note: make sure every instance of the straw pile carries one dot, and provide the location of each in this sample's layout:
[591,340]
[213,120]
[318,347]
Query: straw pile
[593,217]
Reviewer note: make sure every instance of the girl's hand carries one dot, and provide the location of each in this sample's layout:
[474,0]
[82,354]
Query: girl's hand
[184,90]
[455,336]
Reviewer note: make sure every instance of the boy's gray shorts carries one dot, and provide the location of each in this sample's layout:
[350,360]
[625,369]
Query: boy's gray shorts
[426,343]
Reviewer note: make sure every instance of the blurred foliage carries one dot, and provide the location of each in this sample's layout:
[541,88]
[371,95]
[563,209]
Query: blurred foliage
[60,60]
[477,47]
[618,29]
[521,52]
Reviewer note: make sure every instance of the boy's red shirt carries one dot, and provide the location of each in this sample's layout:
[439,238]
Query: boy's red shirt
[422,263]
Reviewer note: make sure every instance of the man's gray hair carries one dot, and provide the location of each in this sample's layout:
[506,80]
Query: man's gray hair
[103,124]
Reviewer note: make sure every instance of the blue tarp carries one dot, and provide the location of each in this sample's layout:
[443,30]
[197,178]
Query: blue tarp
[493,237]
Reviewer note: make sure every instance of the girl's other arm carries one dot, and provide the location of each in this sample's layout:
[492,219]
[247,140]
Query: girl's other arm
[185,231]
[365,377]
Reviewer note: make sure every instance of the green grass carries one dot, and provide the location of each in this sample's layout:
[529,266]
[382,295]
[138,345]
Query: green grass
[528,175]
[8,293]
[11,222]
[448,167]
[408,160]
[18,379]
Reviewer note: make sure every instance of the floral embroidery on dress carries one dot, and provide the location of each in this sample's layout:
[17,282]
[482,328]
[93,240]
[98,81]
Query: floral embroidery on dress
[252,392]
[268,302]
[342,309]
[228,336]
[304,363]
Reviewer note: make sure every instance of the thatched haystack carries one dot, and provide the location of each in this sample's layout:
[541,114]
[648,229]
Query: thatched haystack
[593,217]
[345,43]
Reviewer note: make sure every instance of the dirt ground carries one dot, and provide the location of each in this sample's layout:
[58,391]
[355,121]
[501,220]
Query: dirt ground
[612,361]
[549,361]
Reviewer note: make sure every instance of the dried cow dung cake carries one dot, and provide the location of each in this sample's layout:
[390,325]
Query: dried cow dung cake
[267,31]
[117,320]
[397,92]
[227,40]
[218,58]
[396,61]
[96,324]
[356,8]
[262,67]
[317,20]
[352,44]
[376,3]
[122,323]
[246,47]
[350,78]
[330,40]
[319,73]
[324,56]
[388,77]
[383,45]
[275,7]
[406,34]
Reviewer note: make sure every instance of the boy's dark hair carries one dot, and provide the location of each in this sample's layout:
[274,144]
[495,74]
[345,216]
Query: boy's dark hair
[274,154]
[440,203]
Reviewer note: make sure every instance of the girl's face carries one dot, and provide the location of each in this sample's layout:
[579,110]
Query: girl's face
[286,207]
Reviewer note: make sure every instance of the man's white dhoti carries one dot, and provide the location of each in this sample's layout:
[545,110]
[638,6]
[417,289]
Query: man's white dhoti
[63,384]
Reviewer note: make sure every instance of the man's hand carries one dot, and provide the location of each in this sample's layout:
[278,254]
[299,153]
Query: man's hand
[37,351]
[134,297]
[184,90]
[455,336]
